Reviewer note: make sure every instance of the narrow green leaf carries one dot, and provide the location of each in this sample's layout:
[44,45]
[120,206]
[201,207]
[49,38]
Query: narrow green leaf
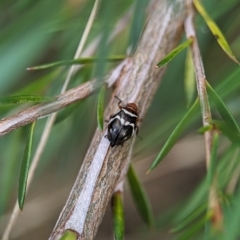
[228,170]
[227,131]
[197,199]
[199,196]
[189,78]
[175,134]
[174,53]
[232,219]
[22,188]
[78,61]
[215,31]
[213,160]
[193,230]
[118,216]
[138,21]
[100,107]
[204,129]
[229,84]
[140,197]
[192,217]
[24,98]
[222,109]
[69,235]
[207,230]
[11,145]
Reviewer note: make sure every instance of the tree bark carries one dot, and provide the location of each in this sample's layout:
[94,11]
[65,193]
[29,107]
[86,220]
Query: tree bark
[137,83]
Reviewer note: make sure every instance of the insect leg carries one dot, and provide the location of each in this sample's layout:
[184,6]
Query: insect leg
[119,103]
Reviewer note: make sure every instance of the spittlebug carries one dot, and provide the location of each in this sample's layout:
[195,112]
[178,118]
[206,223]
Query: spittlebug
[122,125]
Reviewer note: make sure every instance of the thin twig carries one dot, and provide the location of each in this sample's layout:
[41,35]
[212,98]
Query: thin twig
[81,44]
[33,113]
[200,77]
[50,122]
[119,27]
[213,201]
[75,94]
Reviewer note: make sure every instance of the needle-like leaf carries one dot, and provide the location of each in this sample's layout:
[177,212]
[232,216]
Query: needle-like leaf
[25,168]
[174,53]
[175,134]
[140,197]
[227,130]
[215,30]
[191,218]
[24,98]
[222,109]
[100,107]
[78,61]
[189,79]
[204,129]
[213,160]
[193,230]
[118,216]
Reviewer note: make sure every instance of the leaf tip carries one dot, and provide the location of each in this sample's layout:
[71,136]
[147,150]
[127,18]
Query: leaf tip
[100,126]
[148,171]
[20,205]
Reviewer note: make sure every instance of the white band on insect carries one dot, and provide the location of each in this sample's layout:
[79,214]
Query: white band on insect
[129,113]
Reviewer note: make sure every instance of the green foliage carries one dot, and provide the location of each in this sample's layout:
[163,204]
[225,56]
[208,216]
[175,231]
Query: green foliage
[69,235]
[24,98]
[182,125]
[191,219]
[78,61]
[100,107]
[223,110]
[215,30]
[35,33]
[211,173]
[140,197]
[189,79]
[22,188]
[174,53]
[227,131]
[137,23]
[118,216]
[232,219]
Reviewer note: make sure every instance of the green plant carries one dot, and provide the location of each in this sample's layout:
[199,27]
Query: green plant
[48,32]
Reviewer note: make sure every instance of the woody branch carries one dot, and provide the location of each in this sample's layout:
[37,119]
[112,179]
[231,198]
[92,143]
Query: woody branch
[102,165]
[213,201]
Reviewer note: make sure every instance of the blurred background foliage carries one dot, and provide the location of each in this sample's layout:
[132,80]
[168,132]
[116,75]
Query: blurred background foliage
[38,32]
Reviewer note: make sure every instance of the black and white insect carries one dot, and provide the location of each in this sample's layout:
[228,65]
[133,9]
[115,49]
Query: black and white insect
[122,125]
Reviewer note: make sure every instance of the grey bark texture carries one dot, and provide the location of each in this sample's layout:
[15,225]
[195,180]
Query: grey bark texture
[137,83]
